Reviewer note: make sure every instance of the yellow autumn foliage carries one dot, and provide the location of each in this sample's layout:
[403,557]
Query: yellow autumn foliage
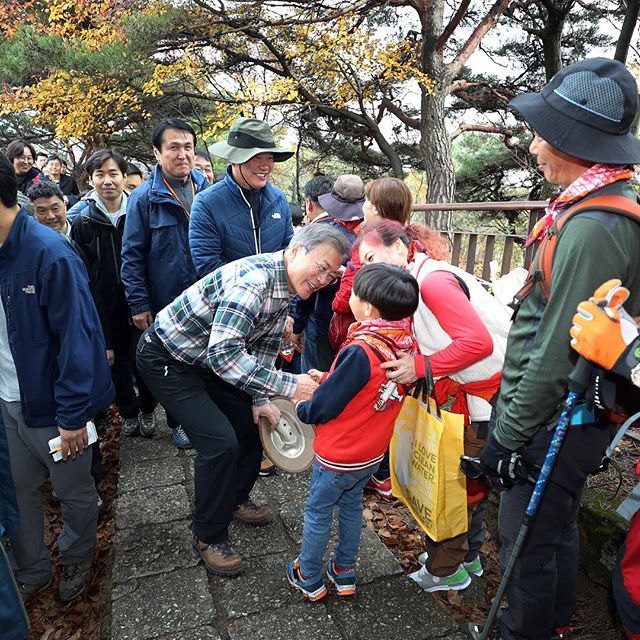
[75,106]
[339,62]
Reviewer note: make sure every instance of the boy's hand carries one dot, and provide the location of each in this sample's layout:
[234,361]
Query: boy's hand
[306,386]
[297,340]
[288,330]
[402,370]
[315,375]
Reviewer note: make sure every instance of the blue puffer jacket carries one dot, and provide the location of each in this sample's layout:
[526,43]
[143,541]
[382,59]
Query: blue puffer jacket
[53,327]
[156,263]
[221,229]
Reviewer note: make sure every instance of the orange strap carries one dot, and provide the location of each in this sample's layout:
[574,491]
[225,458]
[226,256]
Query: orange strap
[541,267]
[177,197]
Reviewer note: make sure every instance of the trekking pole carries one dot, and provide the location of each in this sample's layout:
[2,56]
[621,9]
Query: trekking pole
[578,382]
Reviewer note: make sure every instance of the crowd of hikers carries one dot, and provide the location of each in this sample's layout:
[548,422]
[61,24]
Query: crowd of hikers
[209,297]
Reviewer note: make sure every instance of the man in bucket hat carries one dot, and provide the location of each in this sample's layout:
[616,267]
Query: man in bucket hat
[243,214]
[582,143]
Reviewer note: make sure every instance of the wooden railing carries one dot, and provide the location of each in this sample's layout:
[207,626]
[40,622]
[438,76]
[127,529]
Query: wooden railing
[467,245]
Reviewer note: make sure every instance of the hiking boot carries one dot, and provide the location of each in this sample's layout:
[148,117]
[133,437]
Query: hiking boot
[147,424]
[312,588]
[455,582]
[219,558]
[27,590]
[73,580]
[180,438]
[250,513]
[130,427]
[381,487]
[473,567]
[562,633]
[267,468]
[344,580]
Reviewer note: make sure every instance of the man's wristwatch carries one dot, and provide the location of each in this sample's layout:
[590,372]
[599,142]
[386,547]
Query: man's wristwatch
[635,375]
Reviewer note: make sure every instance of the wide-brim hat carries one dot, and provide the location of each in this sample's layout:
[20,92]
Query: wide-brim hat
[586,111]
[346,199]
[290,445]
[247,138]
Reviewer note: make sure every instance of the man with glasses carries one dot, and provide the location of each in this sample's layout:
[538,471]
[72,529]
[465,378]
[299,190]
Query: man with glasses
[209,359]
[343,206]
[22,156]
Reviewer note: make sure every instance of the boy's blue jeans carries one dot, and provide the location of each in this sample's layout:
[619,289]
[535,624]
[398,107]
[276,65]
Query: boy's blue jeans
[329,489]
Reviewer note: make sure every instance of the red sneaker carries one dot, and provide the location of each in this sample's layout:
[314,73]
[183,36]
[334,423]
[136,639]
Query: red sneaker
[381,487]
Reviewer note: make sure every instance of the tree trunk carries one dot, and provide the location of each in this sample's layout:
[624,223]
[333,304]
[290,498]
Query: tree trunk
[435,144]
[552,40]
[626,32]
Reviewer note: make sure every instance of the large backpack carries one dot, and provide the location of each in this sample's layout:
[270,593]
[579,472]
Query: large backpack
[542,265]
[627,396]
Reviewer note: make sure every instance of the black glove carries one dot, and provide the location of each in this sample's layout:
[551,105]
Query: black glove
[503,463]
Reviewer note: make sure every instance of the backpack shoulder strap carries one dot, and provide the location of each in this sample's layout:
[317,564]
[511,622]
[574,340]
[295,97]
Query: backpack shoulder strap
[619,205]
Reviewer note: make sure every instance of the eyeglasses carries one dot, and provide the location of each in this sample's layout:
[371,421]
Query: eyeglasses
[329,277]
[24,158]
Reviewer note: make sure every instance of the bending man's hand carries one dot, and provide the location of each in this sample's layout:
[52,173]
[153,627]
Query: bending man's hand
[402,370]
[269,411]
[73,442]
[306,386]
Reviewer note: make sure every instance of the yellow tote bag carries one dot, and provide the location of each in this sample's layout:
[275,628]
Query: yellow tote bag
[425,455]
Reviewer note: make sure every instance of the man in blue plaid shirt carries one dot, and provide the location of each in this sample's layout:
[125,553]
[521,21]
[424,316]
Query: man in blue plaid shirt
[209,358]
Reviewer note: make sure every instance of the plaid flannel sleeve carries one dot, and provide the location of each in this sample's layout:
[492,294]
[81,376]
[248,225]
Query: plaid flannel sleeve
[234,322]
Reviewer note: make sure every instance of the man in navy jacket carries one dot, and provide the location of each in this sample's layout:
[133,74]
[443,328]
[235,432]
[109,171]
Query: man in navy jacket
[156,264]
[54,376]
[243,214]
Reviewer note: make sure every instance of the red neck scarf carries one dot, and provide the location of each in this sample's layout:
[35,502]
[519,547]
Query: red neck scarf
[594,178]
[386,336]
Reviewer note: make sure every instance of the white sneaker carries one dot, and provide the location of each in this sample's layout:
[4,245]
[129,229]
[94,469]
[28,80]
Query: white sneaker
[455,582]
[474,566]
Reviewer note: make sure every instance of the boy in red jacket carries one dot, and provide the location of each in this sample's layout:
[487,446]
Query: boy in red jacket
[354,410]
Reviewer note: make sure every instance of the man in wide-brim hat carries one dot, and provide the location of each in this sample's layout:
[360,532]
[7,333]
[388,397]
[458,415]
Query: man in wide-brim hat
[243,214]
[582,142]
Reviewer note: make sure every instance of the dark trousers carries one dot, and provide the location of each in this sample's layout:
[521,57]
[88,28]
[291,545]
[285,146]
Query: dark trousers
[146,397]
[219,422]
[123,373]
[543,587]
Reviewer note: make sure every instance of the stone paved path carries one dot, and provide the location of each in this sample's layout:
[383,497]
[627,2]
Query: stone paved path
[161,591]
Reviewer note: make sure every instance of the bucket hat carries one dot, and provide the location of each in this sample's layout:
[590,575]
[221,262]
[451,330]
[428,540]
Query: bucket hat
[247,138]
[346,199]
[586,111]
